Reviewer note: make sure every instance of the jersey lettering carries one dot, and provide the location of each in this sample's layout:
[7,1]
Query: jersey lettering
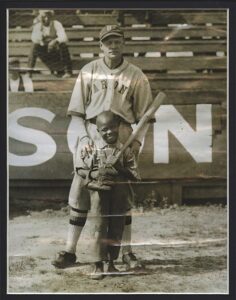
[116,84]
[122,89]
[104,84]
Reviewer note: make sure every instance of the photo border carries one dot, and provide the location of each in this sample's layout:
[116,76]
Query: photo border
[231,5]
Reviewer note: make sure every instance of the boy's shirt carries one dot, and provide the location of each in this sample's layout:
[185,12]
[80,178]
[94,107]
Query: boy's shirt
[127,161]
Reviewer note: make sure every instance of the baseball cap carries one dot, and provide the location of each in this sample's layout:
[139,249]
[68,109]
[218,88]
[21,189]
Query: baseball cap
[109,30]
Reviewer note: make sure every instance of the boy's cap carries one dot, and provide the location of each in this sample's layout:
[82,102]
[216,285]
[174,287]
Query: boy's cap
[109,30]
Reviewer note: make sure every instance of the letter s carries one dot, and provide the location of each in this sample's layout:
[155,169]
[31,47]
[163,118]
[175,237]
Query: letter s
[46,146]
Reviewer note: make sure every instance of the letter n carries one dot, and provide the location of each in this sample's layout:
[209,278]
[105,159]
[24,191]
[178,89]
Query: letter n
[197,142]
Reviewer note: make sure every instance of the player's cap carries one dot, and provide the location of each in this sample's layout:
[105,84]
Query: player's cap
[109,30]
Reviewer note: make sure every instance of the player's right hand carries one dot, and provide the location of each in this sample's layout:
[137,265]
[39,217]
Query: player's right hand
[86,147]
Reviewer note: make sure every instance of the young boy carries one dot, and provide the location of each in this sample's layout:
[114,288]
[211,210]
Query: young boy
[109,191]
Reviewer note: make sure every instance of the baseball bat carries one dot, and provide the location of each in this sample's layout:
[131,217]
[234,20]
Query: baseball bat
[145,118]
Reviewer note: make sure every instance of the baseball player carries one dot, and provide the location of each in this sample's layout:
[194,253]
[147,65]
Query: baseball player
[109,83]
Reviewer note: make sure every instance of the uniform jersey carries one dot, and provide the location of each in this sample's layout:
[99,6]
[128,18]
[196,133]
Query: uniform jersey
[125,91]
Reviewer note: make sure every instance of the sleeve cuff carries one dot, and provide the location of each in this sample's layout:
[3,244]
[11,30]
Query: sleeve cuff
[75,113]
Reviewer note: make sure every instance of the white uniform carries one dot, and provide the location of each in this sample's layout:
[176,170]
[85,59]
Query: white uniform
[125,91]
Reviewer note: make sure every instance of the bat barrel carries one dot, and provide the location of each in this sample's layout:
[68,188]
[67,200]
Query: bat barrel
[146,117]
[156,103]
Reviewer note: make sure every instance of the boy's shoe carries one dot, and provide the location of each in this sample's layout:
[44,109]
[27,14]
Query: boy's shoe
[111,269]
[131,261]
[98,272]
[64,260]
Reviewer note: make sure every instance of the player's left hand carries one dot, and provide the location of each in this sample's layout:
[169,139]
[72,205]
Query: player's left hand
[135,147]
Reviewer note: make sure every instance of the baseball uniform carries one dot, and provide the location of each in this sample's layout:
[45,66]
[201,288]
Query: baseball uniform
[126,92]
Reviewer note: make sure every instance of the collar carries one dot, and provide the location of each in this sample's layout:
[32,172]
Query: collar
[117,145]
[117,70]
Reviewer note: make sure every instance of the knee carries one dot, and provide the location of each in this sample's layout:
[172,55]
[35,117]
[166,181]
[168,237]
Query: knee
[36,51]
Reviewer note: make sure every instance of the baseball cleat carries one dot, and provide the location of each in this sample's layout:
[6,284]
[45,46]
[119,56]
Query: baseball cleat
[64,260]
[131,261]
[98,272]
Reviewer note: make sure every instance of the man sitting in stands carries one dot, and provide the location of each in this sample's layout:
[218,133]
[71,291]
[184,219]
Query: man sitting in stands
[49,44]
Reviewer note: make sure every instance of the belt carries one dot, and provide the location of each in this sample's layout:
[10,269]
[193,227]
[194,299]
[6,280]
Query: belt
[93,120]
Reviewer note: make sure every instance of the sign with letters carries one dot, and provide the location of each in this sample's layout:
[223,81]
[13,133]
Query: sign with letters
[41,142]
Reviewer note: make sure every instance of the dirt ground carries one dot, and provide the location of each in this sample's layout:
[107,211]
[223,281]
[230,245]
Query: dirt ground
[184,250]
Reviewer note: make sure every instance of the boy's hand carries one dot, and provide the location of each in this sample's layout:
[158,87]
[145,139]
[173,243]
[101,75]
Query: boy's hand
[94,174]
[111,160]
[102,175]
[108,171]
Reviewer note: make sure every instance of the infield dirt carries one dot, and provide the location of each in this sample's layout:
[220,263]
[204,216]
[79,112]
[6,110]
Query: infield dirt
[184,250]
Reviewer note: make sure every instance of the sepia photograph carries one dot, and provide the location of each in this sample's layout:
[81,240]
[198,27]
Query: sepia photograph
[117,151]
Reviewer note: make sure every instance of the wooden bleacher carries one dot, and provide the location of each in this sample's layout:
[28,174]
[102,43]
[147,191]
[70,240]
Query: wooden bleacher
[183,53]
[24,18]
